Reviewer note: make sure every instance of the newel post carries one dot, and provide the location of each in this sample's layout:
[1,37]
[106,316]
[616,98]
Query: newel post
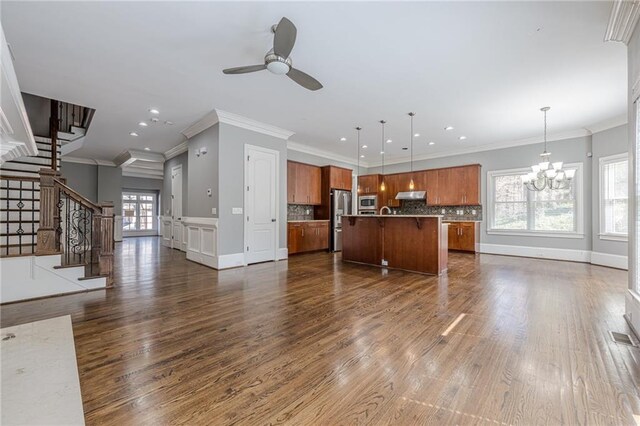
[105,256]
[47,239]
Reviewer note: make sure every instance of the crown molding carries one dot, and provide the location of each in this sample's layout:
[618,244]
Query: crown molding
[219,116]
[78,160]
[131,173]
[253,125]
[489,147]
[209,119]
[177,150]
[143,172]
[130,156]
[608,124]
[622,21]
[295,146]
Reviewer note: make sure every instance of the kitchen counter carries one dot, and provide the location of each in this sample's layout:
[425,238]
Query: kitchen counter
[461,220]
[307,220]
[417,243]
[393,215]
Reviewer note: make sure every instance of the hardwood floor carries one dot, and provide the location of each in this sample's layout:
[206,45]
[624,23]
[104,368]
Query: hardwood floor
[316,341]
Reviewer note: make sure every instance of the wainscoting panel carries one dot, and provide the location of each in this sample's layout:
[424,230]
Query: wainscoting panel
[202,240]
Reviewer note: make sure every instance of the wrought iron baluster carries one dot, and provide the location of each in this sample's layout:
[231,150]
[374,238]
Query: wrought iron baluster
[33,216]
[20,230]
[8,216]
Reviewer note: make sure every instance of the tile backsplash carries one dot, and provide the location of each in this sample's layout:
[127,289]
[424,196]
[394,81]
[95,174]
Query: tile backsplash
[299,212]
[449,212]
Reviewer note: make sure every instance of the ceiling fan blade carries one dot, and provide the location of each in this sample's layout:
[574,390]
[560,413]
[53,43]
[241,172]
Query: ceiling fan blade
[304,79]
[244,70]
[284,38]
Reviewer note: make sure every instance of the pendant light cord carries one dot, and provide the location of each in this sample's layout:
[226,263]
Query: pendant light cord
[358,155]
[411,114]
[382,145]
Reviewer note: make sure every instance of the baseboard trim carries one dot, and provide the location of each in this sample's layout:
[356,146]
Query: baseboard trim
[537,252]
[230,261]
[282,254]
[583,256]
[632,311]
[610,260]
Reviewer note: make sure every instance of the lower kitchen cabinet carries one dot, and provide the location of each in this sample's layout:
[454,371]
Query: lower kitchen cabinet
[307,236]
[463,236]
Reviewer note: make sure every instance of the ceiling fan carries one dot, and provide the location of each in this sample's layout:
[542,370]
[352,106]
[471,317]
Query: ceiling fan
[277,60]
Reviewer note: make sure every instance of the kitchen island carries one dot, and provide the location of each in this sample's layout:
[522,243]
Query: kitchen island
[416,243]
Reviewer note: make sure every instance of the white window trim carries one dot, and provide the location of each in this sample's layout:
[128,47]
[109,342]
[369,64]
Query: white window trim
[143,232]
[603,235]
[577,181]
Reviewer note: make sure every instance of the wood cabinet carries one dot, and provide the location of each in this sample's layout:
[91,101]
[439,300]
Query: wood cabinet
[303,183]
[452,186]
[392,186]
[463,236]
[338,177]
[307,236]
[369,184]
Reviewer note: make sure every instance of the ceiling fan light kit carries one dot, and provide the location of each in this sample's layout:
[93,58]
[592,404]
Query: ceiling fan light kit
[277,60]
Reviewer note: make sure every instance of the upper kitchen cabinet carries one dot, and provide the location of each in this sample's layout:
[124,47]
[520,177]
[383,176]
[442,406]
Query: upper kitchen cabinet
[369,184]
[456,186]
[338,177]
[303,183]
[392,187]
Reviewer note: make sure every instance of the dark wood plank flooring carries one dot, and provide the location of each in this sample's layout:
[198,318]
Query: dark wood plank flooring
[315,341]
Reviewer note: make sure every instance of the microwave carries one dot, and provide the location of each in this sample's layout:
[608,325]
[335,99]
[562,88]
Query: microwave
[368,202]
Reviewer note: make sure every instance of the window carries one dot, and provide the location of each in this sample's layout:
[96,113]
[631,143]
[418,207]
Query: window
[614,197]
[514,210]
[138,213]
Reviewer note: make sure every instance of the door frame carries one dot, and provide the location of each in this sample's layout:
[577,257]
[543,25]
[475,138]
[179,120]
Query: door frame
[177,244]
[174,168]
[245,162]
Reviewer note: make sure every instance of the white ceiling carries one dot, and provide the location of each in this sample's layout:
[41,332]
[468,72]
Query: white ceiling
[483,67]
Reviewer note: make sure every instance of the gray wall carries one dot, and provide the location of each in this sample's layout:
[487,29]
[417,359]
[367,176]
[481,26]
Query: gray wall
[81,177]
[303,157]
[39,110]
[203,174]
[633,76]
[606,143]
[182,159]
[110,186]
[232,142]
[570,151]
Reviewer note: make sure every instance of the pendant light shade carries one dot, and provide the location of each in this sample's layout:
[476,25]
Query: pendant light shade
[412,184]
[382,185]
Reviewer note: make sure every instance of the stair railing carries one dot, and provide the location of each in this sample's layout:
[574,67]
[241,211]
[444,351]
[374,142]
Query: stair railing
[19,209]
[75,227]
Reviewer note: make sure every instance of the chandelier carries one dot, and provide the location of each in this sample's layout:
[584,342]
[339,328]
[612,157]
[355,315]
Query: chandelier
[547,174]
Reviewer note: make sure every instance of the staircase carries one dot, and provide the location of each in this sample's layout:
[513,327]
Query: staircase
[52,239]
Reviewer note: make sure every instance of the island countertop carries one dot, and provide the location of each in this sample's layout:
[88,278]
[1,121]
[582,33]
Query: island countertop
[417,243]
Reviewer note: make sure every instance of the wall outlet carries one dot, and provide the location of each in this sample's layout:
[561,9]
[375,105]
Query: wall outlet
[444,211]
[473,212]
[385,262]
[214,210]
[236,210]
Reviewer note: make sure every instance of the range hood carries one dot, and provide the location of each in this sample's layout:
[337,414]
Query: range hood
[412,195]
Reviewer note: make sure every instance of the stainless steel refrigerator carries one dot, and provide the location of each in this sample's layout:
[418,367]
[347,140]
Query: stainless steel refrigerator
[340,205]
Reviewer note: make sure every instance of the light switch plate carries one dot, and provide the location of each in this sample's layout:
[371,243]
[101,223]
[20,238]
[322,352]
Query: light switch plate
[236,210]
[214,210]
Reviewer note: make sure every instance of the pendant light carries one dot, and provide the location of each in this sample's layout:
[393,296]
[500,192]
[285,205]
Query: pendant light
[358,156]
[547,174]
[382,186]
[412,184]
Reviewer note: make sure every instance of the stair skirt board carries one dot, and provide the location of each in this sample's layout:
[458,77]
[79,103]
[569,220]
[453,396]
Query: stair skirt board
[32,277]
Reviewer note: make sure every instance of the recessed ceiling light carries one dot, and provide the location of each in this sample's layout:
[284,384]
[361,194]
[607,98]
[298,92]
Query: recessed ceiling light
[462,138]
[143,124]
[133,134]
[389,141]
[154,111]
[343,139]
[381,152]
[364,147]
[146,148]
[449,128]
[362,156]
[432,143]
[416,135]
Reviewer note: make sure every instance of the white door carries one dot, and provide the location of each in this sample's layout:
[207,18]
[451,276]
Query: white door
[261,203]
[176,206]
